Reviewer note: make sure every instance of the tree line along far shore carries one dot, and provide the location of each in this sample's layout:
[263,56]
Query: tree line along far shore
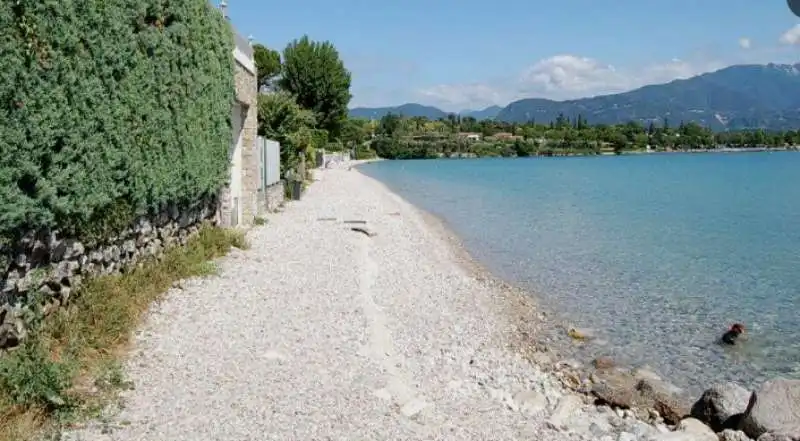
[398,137]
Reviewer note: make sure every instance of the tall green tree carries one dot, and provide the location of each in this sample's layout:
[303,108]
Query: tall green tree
[282,119]
[354,132]
[315,75]
[390,124]
[268,64]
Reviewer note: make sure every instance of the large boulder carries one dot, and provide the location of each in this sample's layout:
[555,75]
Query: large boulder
[616,389]
[775,409]
[625,390]
[722,406]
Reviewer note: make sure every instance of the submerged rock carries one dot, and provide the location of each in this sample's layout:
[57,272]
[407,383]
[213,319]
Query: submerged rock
[603,363]
[624,390]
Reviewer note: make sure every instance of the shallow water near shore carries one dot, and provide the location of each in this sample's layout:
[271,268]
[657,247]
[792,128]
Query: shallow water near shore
[658,254]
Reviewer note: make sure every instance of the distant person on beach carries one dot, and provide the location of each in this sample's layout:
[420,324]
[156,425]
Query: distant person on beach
[730,337]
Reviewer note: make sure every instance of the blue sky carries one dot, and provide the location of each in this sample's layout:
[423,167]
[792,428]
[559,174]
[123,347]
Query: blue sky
[470,54]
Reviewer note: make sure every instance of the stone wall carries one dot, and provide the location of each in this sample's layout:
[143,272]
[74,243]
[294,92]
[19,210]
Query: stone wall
[225,207]
[247,96]
[53,267]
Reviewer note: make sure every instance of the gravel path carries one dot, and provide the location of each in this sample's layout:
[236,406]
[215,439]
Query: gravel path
[319,332]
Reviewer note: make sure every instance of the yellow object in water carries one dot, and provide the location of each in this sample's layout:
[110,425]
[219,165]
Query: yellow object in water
[577,335]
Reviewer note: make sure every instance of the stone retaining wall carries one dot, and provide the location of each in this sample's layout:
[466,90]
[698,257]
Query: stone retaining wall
[54,267]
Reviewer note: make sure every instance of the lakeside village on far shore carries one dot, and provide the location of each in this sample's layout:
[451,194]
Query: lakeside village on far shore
[398,137]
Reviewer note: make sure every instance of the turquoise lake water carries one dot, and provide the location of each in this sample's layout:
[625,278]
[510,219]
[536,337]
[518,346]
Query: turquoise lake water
[658,254]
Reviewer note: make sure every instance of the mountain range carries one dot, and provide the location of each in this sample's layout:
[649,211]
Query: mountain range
[732,98]
[414,109]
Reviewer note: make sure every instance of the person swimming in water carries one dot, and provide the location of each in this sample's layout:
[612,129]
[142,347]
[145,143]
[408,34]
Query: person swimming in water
[730,337]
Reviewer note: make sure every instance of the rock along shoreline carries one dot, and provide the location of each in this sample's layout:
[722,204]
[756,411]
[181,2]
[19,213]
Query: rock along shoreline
[726,411]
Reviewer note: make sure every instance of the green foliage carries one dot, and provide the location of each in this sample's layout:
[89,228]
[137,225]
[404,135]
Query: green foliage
[391,124]
[315,75]
[30,377]
[119,215]
[522,148]
[309,106]
[417,137]
[355,132]
[394,148]
[268,65]
[335,146]
[365,153]
[280,118]
[110,107]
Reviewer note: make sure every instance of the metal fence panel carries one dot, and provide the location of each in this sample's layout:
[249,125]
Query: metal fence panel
[262,163]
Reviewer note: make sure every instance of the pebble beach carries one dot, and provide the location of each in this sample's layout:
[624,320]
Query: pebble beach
[388,331]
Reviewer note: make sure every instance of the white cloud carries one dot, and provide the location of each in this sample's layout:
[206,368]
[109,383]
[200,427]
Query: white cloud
[568,74]
[745,43]
[561,77]
[792,36]
[457,97]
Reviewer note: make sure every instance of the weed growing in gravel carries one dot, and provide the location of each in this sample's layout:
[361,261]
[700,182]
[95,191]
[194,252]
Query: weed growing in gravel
[70,366]
[258,221]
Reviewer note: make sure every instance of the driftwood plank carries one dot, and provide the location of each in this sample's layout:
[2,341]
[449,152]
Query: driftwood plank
[364,230]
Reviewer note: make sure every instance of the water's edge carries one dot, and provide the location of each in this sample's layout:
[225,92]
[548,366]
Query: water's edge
[539,327]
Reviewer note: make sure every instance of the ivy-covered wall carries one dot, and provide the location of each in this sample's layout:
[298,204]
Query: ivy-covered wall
[110,109]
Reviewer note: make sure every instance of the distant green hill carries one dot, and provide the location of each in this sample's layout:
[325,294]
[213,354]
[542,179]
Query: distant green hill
[409,110]
[487,113]
[413,109]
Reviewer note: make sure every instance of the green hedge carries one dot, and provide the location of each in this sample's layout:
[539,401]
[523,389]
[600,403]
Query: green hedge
[110,108]
[362,152]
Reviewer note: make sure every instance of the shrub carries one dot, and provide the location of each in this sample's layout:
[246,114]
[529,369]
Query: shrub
[30,377]
[110,109]
[364,153]
[282,119]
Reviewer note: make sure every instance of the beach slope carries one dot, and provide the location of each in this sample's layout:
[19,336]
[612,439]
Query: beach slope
[322,332]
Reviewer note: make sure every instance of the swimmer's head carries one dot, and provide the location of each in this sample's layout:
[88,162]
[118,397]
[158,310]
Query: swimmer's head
[738,328]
